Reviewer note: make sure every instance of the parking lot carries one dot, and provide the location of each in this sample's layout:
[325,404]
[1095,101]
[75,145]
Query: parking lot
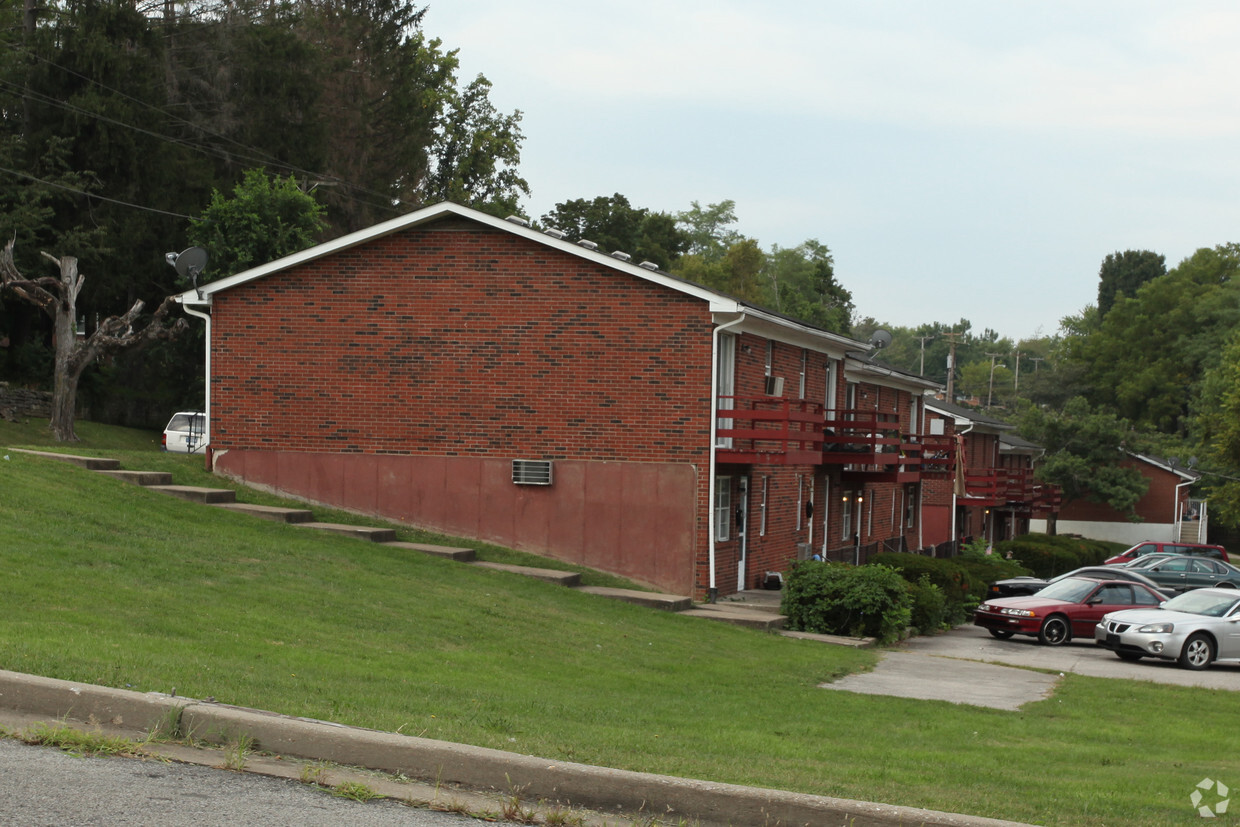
[967,665]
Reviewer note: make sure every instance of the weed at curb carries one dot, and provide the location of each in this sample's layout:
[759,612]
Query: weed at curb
[355,791]
[78,743]
[237,753]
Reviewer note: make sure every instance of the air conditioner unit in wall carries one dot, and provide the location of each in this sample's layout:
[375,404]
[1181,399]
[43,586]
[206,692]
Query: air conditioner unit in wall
[531,471]
[774,386]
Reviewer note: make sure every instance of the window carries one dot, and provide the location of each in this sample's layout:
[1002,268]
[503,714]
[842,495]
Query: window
[1145,598]
[846,516]
[770,356]
[1115,595]
[804,367]
[723,509]
[910,506]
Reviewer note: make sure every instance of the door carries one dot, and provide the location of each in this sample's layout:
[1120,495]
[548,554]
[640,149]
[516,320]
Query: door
[742,530]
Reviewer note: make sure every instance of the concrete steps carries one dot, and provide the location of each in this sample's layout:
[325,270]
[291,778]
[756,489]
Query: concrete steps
[271,512]
[89,463]
[197,494]
[143,478]
[459,555]
[651,600]
[748,618]
[562,578]
[374,535]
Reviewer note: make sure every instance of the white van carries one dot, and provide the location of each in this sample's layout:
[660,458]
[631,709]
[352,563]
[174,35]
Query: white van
[186,432]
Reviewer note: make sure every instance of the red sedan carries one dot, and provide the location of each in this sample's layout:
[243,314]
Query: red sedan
[1063,610]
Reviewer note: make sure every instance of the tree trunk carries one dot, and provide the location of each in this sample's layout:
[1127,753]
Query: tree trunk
[65,381]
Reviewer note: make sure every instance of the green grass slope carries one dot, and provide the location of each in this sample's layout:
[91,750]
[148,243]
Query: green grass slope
[109,583]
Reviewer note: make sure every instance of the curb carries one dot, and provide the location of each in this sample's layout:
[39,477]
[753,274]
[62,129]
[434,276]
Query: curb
[598,788]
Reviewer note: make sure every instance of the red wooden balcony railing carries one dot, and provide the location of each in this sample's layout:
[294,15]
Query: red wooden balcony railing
[769,430]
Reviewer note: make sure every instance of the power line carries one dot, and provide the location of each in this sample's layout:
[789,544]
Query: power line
[54,185]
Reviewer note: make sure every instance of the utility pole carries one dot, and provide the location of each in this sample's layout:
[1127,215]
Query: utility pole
[1016,382]
[921,370]
[951,366]
[991,393]
[1036,360]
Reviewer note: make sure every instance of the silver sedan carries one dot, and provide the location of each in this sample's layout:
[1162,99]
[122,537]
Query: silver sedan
[1194,629]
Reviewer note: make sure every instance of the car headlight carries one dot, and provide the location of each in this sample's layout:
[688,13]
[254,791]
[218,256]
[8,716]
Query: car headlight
[1157,628]
[1018,612]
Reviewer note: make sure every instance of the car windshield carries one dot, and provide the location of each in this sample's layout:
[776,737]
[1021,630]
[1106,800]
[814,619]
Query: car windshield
[1210,604]
[1071,589]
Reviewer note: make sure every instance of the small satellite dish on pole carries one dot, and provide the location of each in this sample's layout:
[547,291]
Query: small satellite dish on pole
[188,263]
[879,339]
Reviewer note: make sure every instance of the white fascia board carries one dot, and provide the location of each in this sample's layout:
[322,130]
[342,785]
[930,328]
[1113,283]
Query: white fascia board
[978,426]
[887,377]
[777,328]
[202,296]
[1184,474]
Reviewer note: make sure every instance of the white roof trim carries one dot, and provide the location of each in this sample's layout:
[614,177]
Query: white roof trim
[202,296]
[1184,474]
[718,302]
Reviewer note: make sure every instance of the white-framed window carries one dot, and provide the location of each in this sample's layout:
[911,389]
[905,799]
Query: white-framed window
[770,356]
[723,509]
[766,487]
[846,515]
[910,506]
[869,516]
[804,371]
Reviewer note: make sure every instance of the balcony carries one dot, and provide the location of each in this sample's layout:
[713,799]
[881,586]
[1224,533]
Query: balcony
[769,430]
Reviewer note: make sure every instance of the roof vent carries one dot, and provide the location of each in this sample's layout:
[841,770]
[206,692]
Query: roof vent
[554,233]
[588,244]
[621,254]
[648,265]
[518,219]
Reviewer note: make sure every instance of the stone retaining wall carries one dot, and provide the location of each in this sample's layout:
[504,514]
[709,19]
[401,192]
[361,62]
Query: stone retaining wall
[15,402]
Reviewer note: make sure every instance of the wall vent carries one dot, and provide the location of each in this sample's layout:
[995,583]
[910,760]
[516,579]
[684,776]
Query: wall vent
[531,471]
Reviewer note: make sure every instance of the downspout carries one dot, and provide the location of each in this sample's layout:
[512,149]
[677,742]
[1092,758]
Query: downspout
[206,317]
[713,592]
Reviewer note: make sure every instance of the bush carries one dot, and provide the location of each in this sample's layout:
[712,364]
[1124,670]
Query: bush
[953,581]
[1046,556]
[928,605]
[839,599]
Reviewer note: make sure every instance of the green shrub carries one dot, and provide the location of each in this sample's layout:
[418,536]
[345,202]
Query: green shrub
[839,599]
[1046,556]
[986,570]
[928,605]
[947,574]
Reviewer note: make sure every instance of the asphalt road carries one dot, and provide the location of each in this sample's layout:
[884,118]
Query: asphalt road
[45,787]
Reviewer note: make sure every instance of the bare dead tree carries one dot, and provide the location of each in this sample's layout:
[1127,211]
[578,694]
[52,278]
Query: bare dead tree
[57,297]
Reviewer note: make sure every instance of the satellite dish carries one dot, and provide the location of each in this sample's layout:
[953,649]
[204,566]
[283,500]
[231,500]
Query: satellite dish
[189,263]
[879,339]
[1192,462]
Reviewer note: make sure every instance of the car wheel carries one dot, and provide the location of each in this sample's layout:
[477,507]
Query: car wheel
[1002,634]
[1224,585]
[1131,657]
[1055,631]
[1197,653]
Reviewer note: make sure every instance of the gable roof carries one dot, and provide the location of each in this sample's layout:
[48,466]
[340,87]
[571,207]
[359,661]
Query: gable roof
[964,416]
[720,303]
[1170,465]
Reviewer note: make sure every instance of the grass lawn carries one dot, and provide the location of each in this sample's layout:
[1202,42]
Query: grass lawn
[111,584]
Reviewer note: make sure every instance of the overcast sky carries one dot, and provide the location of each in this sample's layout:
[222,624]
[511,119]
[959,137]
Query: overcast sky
[961,159]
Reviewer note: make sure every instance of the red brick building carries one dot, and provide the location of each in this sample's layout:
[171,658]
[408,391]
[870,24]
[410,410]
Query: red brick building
[993,496]
[478,377]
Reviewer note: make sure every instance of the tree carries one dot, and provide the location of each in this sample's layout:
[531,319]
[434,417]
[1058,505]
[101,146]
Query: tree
[57,297]
[615,224]
[263,220]
[1085,450]
[1216,429]
[476,153]
[738,272]
[804,286]
[709,229]
[1122,274]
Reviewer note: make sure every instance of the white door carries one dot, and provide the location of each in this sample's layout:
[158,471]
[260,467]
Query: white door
[742,530]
